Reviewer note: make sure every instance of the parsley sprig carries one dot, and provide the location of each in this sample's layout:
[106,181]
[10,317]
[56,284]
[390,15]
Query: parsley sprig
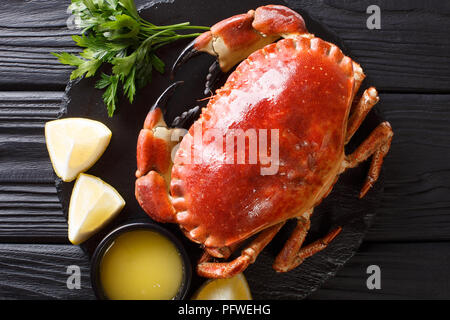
[112,32]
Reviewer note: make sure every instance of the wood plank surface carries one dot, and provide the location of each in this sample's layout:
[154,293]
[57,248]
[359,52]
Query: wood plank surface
[22,144]
[39,272]
[411,51]
[29,207]
[415,205]
[408,271]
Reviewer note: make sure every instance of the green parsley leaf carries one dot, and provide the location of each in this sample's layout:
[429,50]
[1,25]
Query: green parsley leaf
[110,94]
[88,68]
[113,33]
[123,66]
[157,63]
[129,87]
[68,58]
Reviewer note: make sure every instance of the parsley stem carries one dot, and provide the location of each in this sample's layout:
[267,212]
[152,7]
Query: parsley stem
[180,26]
[168,40]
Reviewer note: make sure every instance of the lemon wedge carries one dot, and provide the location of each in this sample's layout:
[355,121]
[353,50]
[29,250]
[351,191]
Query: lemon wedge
[93,204]
[75,144]
[235,288]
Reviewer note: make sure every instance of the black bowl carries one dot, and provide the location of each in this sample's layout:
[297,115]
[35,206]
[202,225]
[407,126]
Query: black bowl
[106,242]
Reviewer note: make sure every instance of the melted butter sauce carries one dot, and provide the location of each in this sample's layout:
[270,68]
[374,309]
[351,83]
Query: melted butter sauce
[141,265]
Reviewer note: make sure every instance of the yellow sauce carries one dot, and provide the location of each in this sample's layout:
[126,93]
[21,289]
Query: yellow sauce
[141,265]
[235,288]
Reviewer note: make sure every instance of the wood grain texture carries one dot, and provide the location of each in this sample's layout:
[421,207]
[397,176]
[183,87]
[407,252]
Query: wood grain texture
[22,144]
[39,272]
[411,52]
[415,204]
[31,213]
[29,206]
[408,271]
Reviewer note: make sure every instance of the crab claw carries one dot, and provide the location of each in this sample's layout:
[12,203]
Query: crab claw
[154,161]
[214,73]
[155,141]
[234,39]
[161,102]
[189,52]
[151,193]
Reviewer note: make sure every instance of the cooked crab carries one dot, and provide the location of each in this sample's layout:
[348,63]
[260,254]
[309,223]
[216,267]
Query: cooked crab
[301,86]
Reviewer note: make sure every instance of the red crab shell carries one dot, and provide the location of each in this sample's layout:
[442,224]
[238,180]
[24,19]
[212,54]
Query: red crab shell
[300,91]
[302,87]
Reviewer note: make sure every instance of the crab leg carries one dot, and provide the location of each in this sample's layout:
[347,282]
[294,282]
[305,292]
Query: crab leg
[313,248]
[224,252]
[376,145]
[368,100]
[292,253]
[359,77]
[291,248]
[238,265]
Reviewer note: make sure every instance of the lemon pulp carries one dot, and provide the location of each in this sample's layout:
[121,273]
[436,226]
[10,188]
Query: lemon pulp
[92,205]
[235,288]
[141,265]
[75,144]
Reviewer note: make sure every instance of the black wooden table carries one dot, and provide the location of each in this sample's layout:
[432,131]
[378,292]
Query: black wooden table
[408,60]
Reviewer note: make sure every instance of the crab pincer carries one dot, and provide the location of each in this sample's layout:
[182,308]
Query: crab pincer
[234,39]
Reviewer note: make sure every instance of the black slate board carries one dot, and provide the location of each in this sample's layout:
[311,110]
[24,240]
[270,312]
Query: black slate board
[118,164]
